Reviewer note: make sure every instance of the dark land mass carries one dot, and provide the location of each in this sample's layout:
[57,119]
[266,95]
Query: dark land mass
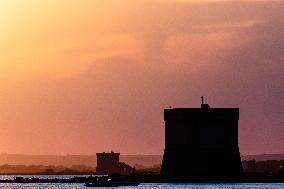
[74,165]
[250,167]
[46,170]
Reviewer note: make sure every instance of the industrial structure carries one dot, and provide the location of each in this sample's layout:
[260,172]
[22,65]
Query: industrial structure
[201,142]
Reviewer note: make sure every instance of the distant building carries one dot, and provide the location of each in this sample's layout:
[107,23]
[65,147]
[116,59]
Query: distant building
[108,163]
[201,141]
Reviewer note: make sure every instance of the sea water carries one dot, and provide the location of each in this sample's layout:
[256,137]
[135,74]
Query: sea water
[152,186]
[141,186]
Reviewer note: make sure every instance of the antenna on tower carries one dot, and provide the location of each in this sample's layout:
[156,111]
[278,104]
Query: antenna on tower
[204,106]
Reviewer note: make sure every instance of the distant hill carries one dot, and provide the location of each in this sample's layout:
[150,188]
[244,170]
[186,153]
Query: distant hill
[264,157]
[91,160]
[69,160]
[144,160]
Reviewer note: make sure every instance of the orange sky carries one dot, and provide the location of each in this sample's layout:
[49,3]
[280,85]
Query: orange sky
[82,77]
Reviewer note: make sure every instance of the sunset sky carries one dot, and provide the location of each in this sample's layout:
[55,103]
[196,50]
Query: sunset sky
[80,77]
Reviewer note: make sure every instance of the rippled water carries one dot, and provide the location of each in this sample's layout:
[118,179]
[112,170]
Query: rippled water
[141,186]
[153,186]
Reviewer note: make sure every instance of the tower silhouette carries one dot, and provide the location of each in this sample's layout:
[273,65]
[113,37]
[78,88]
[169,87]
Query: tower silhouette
[201,141]
[107,163]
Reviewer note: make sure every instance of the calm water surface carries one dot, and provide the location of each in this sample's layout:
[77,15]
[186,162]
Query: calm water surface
[141,186]
[152,186]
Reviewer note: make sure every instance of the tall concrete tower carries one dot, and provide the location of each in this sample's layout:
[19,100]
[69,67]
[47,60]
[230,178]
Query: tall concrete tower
[201,141]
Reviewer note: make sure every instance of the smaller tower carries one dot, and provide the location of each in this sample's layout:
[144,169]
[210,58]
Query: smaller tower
[107,163]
